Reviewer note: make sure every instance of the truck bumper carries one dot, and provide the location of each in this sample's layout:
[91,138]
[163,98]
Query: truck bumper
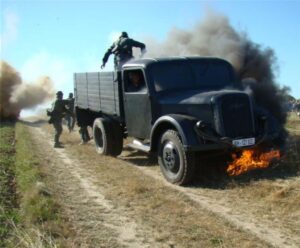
[214,142]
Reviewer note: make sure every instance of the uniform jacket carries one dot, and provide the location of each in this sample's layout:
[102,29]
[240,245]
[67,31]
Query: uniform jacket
[58,110]
[122,49]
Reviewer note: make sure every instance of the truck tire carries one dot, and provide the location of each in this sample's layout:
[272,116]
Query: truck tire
[108,136]
[176,164]
[103,136]
[117,134]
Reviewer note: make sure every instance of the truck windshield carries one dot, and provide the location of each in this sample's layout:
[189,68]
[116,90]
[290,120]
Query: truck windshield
[190,75]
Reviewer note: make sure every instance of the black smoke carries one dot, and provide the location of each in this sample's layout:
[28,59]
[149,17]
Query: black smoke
[215,36]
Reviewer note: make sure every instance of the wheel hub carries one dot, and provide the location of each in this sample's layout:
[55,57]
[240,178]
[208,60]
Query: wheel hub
[171,157]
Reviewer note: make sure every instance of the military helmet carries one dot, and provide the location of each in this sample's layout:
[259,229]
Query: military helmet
[59,93]
[124,34]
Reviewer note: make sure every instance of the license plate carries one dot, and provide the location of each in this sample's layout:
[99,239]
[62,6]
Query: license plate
[244,142]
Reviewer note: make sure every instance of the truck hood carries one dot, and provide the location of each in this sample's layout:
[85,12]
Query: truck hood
[192,97]
[192,103]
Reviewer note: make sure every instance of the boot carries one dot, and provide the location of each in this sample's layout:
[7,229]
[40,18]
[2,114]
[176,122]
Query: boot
[58,145]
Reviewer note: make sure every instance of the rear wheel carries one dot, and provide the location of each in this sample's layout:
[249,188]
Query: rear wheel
[117,137]
[102,136]
[176,164]
[108,136]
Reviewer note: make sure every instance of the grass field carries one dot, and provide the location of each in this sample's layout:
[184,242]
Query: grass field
[29,217]
[8,198]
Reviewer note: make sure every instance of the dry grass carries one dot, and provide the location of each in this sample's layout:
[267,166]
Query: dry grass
[171,217]
[274,193]
[32,238]
[271,194]
[293,122]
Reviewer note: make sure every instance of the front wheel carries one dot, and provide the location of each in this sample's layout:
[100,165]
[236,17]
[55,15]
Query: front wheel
[176,164]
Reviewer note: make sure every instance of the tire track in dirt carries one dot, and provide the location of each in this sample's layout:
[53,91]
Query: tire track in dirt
[262,229]
[85,203]
[212,202]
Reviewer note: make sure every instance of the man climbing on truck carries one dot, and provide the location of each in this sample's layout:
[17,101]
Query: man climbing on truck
[122,49]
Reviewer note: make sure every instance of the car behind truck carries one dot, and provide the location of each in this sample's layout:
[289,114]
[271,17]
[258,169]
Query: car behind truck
[182,109]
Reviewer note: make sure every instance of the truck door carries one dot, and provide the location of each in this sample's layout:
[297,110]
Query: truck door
[137,104]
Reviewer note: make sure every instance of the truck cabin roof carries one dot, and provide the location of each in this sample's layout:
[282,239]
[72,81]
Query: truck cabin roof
[145,62]
[186,73]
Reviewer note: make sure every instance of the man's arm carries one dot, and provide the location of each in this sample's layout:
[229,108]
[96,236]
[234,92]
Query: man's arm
[106,55]
[65,107]
[138,44]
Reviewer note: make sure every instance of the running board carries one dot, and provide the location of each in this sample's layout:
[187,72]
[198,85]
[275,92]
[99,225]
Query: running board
[137,145]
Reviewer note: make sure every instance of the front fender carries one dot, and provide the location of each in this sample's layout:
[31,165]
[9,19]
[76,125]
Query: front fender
[182,123]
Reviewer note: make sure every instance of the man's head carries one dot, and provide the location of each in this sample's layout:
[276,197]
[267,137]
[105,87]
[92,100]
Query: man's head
[124,34]
[135,78]
[59,95]
[70,95]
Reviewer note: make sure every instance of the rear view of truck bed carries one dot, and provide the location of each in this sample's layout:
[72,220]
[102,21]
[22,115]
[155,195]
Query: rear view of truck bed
[97,92]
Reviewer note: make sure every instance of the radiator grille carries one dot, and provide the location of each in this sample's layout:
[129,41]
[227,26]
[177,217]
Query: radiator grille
[236,116]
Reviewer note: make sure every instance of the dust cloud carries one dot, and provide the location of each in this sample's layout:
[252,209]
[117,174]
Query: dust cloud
[214,36]
[15,95]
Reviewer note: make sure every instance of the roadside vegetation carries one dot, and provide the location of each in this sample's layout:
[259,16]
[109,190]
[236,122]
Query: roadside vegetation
[29,217]
[8,199]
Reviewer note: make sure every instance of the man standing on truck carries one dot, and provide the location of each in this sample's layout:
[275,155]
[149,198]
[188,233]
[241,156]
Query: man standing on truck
[122,49]
[56,114]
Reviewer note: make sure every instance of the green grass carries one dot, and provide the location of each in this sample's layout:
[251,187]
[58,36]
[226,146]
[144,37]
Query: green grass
[29,216]
[36,204]
[8,199]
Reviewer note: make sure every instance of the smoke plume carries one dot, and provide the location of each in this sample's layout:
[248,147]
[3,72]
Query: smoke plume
[16,95]
[214,36]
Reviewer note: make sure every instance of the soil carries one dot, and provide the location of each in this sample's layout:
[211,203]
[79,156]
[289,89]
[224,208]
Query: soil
[98,220]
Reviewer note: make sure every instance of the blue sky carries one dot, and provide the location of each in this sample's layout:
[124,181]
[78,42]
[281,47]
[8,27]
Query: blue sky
[58,38]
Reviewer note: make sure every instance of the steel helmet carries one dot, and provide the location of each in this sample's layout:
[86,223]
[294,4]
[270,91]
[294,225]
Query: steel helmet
[124,34]
[59,93]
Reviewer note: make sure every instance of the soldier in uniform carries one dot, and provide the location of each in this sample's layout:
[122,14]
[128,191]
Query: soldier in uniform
[70,117]
[84,134]
[122,49]
[56,114]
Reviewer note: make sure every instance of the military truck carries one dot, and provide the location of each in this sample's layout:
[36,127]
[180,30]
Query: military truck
[184,107]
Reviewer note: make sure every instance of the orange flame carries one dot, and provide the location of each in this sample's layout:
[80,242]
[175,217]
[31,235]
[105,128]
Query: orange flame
[250,160]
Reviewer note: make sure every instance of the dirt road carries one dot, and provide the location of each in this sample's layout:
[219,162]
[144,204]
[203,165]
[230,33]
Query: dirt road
[120,202]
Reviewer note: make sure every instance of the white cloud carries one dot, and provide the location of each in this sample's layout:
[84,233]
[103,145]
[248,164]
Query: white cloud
[59,69]
[10,30]
[44,64]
